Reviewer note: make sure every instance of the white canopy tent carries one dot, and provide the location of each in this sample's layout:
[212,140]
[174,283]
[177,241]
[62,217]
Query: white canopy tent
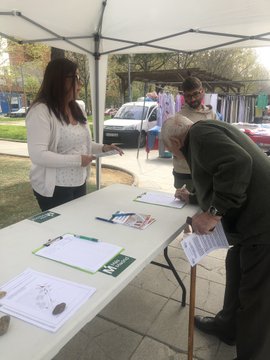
[101,27]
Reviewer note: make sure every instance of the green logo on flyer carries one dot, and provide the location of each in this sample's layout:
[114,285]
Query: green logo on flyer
[44,216]
[117,265]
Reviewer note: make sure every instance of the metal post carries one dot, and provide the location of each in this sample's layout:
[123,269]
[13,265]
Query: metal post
[97,115]
[142,119]
[129,81]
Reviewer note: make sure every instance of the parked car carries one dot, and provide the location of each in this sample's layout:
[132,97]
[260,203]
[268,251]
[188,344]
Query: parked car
[129,120]
[18,113]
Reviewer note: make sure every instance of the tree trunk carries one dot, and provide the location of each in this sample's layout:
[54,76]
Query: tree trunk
[57,53]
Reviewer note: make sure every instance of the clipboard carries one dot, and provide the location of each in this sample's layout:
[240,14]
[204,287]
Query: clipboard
[161,199]
[80,252]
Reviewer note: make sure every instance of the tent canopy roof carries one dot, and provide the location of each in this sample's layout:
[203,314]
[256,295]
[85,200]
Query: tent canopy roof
[131,27]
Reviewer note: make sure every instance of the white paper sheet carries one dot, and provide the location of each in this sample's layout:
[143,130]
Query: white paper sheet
[197,246]
[163,199]
[107,153]
[80,253]
[32,296]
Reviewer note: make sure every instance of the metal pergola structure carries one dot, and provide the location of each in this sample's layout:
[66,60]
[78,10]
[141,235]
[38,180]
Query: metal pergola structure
[175,77]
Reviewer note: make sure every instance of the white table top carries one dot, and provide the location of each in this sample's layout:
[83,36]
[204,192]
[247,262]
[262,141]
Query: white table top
[25,341]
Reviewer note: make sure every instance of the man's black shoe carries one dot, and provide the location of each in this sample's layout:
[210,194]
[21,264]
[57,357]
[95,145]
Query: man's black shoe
[207,325]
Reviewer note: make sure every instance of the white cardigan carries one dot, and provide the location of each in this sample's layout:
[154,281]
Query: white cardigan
[43,131]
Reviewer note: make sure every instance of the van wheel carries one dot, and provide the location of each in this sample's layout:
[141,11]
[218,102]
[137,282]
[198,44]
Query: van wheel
[142,139]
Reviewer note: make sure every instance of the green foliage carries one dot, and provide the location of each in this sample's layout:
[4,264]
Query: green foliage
[83,66]
[237,64]
[32,85]
[18,132]
[13,132]
[17,198]
[234,64]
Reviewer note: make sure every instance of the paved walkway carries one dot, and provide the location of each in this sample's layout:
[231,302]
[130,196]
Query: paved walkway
[146,320]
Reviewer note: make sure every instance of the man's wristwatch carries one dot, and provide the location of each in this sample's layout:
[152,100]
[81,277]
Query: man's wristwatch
[214,211]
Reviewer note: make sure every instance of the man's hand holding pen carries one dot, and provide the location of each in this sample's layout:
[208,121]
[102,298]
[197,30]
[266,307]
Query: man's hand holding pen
[182,194]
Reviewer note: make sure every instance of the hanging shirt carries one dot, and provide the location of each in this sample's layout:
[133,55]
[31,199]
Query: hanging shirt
[262,101]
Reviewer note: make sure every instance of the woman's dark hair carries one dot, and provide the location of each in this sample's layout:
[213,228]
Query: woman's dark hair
[53,89]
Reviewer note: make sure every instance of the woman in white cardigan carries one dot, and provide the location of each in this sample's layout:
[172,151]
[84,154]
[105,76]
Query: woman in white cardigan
[59,138]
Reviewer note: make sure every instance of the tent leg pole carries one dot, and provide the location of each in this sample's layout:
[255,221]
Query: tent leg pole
[97,119]
[140,135]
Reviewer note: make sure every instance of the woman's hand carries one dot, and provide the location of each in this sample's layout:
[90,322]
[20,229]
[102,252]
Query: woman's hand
[107,147]
[86,160]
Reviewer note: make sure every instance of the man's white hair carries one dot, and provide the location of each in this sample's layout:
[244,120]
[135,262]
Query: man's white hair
[176,126]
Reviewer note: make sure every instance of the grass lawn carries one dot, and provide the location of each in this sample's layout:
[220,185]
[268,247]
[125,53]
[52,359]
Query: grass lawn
[17,132]
[13,132]
[17,201]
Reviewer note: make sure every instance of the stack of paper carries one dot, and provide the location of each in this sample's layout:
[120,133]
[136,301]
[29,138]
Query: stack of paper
[197,246]
[81,252]
[138,221]
[32,296]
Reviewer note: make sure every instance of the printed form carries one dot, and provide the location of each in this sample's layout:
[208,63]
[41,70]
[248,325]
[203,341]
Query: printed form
[197,246]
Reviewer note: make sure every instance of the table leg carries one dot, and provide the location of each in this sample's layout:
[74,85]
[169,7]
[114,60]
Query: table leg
[171,267]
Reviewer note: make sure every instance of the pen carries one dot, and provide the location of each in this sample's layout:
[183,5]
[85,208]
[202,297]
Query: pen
[122,214]
[181,188]
[190,194]
[106,220]
[86,238]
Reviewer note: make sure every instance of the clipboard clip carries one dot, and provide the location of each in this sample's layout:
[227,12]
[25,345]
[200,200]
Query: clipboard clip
[48,243]
[141,195]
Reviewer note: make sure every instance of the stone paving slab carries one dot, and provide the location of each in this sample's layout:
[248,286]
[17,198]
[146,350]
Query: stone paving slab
[101,340]
[134,308]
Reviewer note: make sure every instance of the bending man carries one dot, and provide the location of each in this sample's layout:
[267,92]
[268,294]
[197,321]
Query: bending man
[231,176]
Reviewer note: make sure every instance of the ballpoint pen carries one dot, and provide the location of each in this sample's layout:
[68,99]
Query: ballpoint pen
[181,188]
[86,238]
[106,220]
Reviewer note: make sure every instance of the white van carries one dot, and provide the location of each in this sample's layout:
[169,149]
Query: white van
[132,117]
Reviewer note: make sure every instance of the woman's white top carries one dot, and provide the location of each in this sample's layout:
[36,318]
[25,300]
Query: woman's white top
[72,140]
[43,136]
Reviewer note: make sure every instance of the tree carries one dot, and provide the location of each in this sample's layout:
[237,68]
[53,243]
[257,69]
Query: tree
[83,66]
[26,67]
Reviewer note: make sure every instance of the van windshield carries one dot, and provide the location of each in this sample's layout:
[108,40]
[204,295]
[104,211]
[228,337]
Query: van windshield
[131,112]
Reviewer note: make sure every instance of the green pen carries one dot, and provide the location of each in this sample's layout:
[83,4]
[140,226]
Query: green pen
[86,238]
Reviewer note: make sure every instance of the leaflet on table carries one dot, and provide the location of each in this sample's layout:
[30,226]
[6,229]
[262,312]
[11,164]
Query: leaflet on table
[138,221]
[197,246]
[158,198]
[32,296]
[106,153]
[81,252]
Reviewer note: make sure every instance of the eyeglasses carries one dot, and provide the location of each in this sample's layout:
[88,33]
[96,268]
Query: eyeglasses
[76,77]
[195,95]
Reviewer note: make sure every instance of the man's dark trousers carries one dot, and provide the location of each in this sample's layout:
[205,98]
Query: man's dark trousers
[245,314]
